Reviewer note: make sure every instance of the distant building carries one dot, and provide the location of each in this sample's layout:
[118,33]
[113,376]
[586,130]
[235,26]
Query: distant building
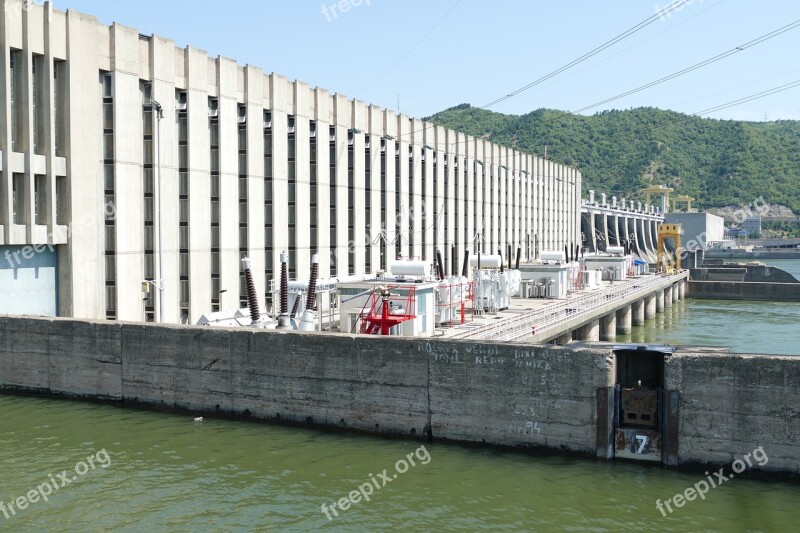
[702,228]
[752,225]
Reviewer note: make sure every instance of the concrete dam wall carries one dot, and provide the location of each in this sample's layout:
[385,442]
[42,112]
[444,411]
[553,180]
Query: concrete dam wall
[719,406]
[457,390]
[732,404]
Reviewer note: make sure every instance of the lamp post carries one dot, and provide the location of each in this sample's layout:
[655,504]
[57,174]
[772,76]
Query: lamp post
[158,111]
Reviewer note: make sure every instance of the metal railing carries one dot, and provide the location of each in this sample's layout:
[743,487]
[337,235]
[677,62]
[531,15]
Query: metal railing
[549,318]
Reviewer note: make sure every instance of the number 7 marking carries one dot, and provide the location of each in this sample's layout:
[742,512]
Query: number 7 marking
[643,440]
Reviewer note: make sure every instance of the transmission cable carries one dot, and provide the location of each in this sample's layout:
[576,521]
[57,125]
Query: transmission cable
[627,33]
[709,61]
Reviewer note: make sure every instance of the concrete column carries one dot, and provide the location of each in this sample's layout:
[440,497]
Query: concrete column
[637,309]
[624,320]
[591,331]
[608,327]
[650,302]
[668,296]
[675,290]
[564,339]
[660,301]
[682,289]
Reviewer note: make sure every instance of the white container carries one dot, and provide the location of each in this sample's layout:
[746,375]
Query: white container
[409,268]
[487,261]
[615,250]
[553,255]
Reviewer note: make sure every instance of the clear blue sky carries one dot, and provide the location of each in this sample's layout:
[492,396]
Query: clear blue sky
[483,50]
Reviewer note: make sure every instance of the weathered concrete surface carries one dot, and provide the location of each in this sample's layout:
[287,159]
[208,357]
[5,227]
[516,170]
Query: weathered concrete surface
[732,404]
[517,395]
[502,394]
[730,290]
[508,394]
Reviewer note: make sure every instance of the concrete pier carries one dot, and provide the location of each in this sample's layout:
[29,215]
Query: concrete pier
[682,286]
[659,301]
[637,309]
[624,320]
[608,327]
[668,296]
[591,331]
[566,338]
[675,293]
[650,306]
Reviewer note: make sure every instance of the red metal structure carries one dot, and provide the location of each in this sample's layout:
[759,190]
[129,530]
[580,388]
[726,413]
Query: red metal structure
[378,315]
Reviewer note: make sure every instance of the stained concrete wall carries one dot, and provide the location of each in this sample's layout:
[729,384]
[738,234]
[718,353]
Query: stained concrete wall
[500,394]
[729,405]
[733,290]
[511,395]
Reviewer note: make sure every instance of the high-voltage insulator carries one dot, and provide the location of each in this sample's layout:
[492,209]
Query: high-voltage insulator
[252,299]
[439,266]
[312,282]
[308,320]
[284,322]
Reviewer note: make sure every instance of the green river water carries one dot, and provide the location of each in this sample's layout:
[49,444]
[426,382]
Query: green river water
[169,473]
[156,472]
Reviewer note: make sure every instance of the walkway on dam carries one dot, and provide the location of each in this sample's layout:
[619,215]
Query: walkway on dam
[541,320]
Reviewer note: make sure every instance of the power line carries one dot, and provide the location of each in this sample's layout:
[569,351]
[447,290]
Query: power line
[637,43]
[387,71]
[696,66]
[745,99]
[627,33]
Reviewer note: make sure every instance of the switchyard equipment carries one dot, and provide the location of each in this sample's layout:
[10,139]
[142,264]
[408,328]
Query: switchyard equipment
[453,294]
[551,278]
[384,311]
[494,285]
[614,263]
[412,294]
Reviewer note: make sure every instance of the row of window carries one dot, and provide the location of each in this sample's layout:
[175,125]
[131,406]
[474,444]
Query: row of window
[429,217]
[39,99]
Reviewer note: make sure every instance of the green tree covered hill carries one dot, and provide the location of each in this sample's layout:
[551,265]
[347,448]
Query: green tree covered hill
[719,162]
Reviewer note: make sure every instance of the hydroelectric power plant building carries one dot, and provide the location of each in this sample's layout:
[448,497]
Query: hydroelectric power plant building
[251,164]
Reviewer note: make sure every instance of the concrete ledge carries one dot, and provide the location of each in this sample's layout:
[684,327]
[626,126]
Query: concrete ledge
[730,290]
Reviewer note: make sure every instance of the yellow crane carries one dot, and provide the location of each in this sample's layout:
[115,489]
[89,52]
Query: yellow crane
[667,231]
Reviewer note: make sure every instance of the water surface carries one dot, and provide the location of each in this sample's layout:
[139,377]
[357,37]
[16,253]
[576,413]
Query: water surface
[169,473]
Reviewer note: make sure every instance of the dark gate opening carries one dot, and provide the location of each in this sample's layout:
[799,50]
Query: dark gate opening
[639,401]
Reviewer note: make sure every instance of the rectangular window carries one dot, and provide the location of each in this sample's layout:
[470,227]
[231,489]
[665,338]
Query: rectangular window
[213,125]
[60,107]
[62,207]
[108,177]
[16,75]
[38,103]
[111,301]
[292,178]
[18,192]
[40,199]
[111,239]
